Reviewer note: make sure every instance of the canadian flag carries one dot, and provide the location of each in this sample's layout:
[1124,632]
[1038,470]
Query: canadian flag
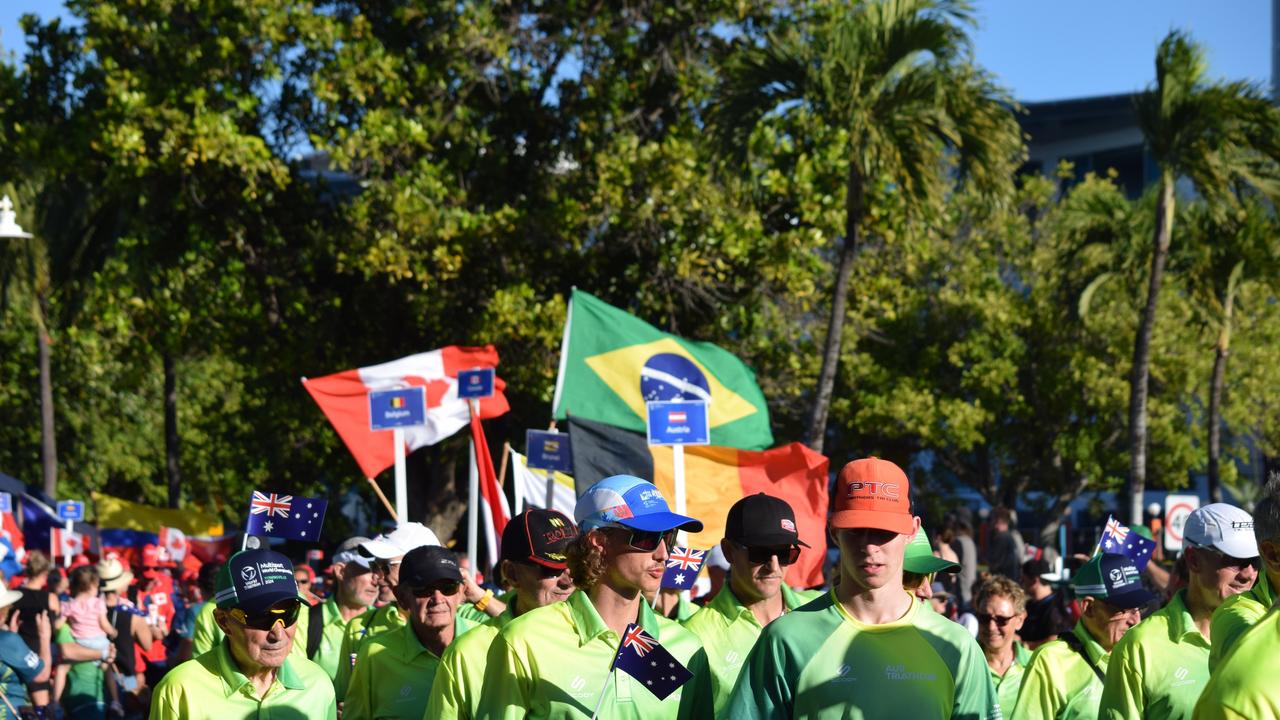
[175,541]
[66,543]
[344,399]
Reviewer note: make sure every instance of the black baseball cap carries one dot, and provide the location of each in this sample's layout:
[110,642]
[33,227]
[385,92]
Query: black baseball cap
[762,520]
[424,566]
[255,580]
[538,536]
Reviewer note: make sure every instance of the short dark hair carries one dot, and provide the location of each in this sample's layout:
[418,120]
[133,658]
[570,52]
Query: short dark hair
[84,579]
[1266,514]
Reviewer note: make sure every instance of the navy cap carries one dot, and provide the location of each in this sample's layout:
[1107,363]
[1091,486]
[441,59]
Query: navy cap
[254,580]
[1114,578]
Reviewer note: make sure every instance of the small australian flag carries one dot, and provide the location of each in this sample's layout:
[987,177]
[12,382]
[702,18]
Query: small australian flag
[641,657]
[286,516]
[683,566]
[1119,539]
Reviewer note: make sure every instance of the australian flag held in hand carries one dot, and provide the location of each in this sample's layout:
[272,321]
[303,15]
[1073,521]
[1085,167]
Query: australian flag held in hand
[286,516]
[1118,538]
[683,566]
[641,657]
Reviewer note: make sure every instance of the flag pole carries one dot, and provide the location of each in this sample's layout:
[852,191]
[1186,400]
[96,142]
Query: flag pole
[402,490]
[600,700]
[473,493]
[66,558]
[395,517]
[551,488]
[677,461]
[517,485]
[502,473]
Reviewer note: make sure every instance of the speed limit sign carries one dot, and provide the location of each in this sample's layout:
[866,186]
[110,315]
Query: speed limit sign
[1176,510]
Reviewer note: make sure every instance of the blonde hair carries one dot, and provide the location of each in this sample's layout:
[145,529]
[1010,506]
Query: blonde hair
[38,563]
[1000,586]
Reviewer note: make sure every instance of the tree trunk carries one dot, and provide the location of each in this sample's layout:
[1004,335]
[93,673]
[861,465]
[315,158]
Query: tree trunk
[816,432]
[1217,383]
[48,441]
[1061,509]
[171,449]
[1140,373]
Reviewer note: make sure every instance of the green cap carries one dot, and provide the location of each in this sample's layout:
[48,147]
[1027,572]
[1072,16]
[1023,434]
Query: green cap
[1114,578]
[1142,530]
[919,557]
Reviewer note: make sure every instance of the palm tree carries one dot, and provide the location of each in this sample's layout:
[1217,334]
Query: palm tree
[896,78]
[1220,136]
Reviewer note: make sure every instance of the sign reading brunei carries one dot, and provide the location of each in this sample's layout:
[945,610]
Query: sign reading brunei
[612,364]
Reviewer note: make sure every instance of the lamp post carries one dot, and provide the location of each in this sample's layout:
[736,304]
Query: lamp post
[11,230]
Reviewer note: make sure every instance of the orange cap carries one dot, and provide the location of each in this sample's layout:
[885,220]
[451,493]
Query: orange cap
[873,493]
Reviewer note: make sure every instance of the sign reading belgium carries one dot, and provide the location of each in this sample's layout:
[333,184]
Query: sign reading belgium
[613,363]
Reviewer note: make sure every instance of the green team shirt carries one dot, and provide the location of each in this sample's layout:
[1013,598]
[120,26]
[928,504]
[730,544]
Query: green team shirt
[1245,686]
[207,635]
[1158,668]
[1007,685]
[393,675]
[1059,683]
[211,687]
[1237,614]
[455,693]
[360,629]
[330,649]
[819,662]
[554,662]
[728,630]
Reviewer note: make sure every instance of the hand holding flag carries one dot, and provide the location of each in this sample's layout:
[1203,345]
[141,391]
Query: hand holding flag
[286,516]
[683,566]
[641,657]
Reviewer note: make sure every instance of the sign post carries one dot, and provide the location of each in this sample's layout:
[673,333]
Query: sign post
[472,386]
[1176,510]
[551,452]
[70,511]
[395,410]
[678,423]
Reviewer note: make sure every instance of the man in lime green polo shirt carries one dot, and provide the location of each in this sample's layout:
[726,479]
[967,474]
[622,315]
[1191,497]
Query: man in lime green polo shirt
[1238,613]
[1244,686]
[761,541]
[920,566]
[534,563]
[1065,676]
[207,634]
[1160,668]
[353,594]
[866,649]
[394,671]
[557,661]
[1000,606]
[252,673]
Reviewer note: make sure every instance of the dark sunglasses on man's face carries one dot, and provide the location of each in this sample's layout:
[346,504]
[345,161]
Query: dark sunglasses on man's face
[284,612]
[1001,620]
[759,555]
[446,588]
[648,540]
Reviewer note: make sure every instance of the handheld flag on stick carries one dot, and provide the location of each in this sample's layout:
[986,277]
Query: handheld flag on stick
[641,657]
[683,566]
[175,541]
[1119,539]
[66,543]
[286,516]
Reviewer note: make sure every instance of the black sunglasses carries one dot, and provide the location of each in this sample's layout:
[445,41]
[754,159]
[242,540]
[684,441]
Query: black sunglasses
[1001,620]
[648,540]
[284,612]
[447,588]
[759,555]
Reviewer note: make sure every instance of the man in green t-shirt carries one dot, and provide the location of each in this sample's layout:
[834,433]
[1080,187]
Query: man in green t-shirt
[1064,678]
[1244,686]
[534,563]
[867,649]
[1159,669]
[1000,605]
[251,673]
[353,594]
[1240,612]
[761,541]
[393,673]
[557,661]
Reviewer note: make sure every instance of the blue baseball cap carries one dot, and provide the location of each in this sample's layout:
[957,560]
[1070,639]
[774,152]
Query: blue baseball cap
[629,502]
[1114,578]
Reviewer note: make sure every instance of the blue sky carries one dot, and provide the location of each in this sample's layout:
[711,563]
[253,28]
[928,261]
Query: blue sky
[1041,50]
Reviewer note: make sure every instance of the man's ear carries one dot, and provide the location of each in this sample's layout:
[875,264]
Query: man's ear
[597,539]
[223,619]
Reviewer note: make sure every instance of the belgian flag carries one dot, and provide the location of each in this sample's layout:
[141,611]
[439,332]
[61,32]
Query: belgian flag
[612,363]
[715,478]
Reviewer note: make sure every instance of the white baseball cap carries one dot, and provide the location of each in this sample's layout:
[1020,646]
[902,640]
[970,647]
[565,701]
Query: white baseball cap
[1225,528]
[400,541]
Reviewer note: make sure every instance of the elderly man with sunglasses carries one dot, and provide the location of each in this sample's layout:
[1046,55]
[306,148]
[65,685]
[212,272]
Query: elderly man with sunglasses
[1064,678]
[251,673]
[866,649]
[1000,606]
[760,542]
[1160,668]
[557,661]
[534,564]
[393,672]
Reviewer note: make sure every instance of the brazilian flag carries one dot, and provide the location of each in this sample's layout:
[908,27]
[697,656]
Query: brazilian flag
[612,363]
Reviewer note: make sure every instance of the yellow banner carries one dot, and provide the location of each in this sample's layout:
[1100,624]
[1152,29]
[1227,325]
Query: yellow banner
[114,512]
